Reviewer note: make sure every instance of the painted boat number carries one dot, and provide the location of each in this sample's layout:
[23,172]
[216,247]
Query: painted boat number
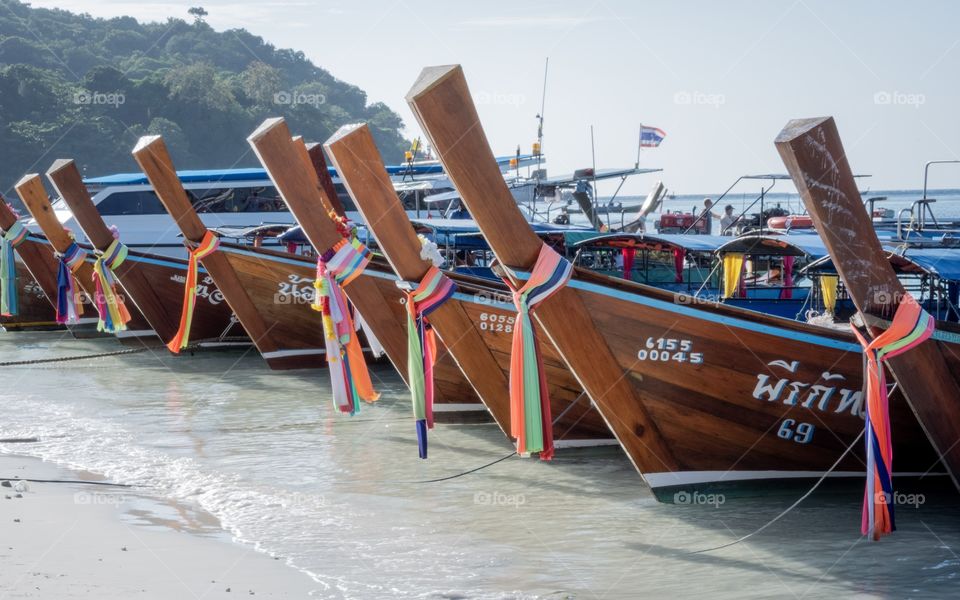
[497,323]
[667,349]
[801,434]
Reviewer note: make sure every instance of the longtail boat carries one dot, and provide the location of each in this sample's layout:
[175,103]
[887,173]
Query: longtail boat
[372,290]
[927,371]
[153,283]
[267,290]
[136,330]
[30,289]
[698,394]
[474,322]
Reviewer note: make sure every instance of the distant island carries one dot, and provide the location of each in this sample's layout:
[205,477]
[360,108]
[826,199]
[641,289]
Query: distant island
[73,86]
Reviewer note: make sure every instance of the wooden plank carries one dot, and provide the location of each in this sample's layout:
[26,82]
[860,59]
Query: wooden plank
[319,165]
[68,183]
[152,156]
[814,155]
[441,101]
[358,163]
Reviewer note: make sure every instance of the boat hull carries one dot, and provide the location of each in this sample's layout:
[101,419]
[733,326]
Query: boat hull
[741,396]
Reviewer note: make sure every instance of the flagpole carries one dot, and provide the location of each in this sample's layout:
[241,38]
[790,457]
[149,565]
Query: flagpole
[639,146]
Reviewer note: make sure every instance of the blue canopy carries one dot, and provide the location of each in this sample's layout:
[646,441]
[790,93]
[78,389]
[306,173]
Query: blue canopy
[942,262]
[256,174]
[691,243]
[794,244]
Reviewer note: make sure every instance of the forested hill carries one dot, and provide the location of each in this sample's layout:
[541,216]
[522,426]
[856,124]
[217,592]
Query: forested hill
[72,86]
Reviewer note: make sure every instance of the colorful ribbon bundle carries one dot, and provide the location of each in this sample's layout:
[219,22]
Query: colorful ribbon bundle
[12,238]
[911,325]
[336,268]
[434,290]
[530,420]
[208,245]
[113,313]
[69,297]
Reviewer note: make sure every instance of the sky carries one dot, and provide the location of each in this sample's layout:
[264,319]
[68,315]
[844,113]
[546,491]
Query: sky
[720,78]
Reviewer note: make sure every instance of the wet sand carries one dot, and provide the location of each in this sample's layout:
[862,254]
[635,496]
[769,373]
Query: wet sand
[81,541]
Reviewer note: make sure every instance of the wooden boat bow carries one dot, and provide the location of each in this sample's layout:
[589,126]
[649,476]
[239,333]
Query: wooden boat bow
[813,153]
[442,103]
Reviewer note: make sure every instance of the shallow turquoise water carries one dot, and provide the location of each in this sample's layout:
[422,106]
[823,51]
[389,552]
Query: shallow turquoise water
[337,496]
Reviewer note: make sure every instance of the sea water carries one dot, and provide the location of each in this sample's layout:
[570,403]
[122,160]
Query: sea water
[347,500]
[745,198]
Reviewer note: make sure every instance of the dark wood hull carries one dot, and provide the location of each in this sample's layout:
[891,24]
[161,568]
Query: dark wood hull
[281,287]
[154,284]
[35,313]
[735,416]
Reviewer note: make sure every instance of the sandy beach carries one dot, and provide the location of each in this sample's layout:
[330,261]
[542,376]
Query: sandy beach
[82,541]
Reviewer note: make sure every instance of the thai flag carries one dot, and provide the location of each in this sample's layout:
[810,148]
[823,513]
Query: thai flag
[650,137]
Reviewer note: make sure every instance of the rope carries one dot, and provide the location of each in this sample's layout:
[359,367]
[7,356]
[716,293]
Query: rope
[449,477]
[789,508]
[39,361]
[198,345]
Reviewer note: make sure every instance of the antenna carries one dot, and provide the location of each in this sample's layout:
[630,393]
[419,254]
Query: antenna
[596,196]
[543,106]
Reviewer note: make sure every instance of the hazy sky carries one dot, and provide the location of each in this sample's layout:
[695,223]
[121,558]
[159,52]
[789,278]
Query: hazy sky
[721,78]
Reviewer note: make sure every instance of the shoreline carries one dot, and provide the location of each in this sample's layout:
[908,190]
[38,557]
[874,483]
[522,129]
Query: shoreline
[66,540]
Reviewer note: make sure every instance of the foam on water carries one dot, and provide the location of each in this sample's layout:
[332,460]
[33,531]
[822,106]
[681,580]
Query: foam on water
[334,496]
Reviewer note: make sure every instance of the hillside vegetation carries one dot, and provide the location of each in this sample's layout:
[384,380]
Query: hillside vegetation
[72,86]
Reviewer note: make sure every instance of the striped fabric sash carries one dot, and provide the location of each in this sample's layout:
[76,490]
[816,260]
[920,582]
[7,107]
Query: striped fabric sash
[69,297]
[208,245]
[110,306]
[530,420]
[434,290]
[911,325]
[349,377]
[12,238]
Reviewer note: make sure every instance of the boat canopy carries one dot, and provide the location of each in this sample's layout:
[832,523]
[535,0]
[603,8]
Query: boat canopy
[255,174]
[798,244]
[661,241]
[943,263]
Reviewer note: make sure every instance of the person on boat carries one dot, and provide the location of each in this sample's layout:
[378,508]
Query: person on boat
[707,216]
[728,220]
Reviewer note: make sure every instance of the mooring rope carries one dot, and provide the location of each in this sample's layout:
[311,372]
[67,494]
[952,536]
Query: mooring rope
[789,508]
[195,346]
[40,361]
